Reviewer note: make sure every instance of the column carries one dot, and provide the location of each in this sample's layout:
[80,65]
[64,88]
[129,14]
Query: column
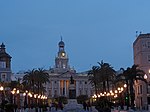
[59,87]
[65,87]
[77,88]
[62,85]
[52,88]
[83,89]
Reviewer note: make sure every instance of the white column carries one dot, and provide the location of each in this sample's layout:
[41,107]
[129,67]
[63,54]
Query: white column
[62,86]
[83,89]
[77,88]
[52,88]
[59,87]
[65,87]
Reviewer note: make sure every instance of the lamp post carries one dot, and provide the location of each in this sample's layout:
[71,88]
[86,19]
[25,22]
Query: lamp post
[1,93]
[146,77]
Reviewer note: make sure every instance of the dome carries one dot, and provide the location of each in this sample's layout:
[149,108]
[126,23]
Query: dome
[61,44]
[2,45]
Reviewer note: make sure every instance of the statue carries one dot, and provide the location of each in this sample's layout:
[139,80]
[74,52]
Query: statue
[71,80]
[72,90]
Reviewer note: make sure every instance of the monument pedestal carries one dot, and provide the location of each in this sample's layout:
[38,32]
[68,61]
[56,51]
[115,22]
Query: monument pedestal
[73,106]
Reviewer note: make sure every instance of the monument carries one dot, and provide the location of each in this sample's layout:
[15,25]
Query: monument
[72,105]
[72,90]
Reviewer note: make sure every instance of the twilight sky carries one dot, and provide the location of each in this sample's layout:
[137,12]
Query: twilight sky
[93,30]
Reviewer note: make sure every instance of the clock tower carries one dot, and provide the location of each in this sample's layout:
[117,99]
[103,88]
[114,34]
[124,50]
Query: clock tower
[61,61]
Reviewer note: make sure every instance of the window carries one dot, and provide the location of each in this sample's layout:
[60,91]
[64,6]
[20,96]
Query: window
[148,44]
[141,101]
[80,92]
[3,76]
[141,89]
[148,58]
[64,66]
[55,93]
[85,82]
[138,91]
[50,94]
[2,64]
[86,92]
[80,82]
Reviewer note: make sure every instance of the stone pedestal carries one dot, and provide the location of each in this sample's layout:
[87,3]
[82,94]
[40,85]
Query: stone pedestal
[73,106]
[72,91]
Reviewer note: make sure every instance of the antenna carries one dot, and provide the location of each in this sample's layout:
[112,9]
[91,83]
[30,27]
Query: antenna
[136,33]
[61,37]
[140,32]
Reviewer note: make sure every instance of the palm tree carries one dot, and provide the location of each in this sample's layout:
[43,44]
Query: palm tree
[42,77]
[101,77]
[29,80]
[108,75]
[34,80]
[94,77]
[130,75]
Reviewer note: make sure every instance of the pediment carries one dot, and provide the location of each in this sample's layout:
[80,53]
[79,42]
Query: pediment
[65,75]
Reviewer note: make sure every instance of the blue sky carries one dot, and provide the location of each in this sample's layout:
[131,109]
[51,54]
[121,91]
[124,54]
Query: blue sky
[93,30]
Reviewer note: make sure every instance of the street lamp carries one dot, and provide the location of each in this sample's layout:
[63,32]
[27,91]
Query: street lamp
[145,76]
[1,89]
[125,85]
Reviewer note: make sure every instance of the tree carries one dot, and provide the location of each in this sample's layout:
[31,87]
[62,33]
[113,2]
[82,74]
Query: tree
[34,80]
[108,75]
[129,76]
[94,77]
[101,77]
[29,79]
[42,77]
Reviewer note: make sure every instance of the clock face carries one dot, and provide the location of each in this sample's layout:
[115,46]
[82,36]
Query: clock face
[63,54]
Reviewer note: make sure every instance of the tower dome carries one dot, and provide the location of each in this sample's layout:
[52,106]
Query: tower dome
[2,45]
[61,44]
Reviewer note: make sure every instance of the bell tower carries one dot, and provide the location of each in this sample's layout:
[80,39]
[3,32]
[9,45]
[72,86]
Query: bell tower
[61,61]
[5,65]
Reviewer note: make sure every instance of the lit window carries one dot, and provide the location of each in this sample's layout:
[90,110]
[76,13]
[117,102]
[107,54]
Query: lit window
[64,66]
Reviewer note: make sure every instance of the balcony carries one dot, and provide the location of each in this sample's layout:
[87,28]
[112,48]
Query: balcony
[5,69]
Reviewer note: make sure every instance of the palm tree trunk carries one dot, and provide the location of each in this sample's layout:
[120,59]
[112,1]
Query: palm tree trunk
[104,86]
[132,95]
[127,95]
[107,85]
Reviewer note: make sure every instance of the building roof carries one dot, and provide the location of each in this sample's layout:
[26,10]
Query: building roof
[3,52]
[141,36]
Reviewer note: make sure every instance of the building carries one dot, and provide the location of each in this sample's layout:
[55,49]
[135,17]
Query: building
[60,77]
[5,65]
[141,48]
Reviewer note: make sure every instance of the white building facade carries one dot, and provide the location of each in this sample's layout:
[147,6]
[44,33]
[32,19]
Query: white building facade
[60,77]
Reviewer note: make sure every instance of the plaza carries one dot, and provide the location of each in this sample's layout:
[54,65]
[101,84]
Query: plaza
[62,83]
